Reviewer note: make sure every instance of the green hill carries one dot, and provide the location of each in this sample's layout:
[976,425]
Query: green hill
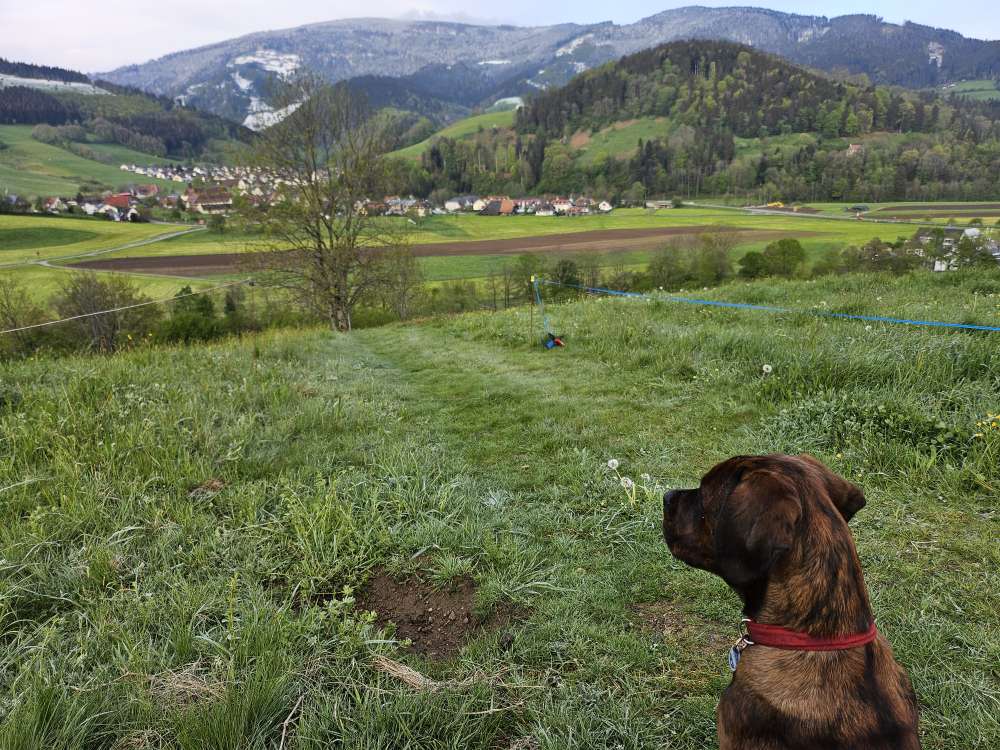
[703,117]
[31,168]
[202,531]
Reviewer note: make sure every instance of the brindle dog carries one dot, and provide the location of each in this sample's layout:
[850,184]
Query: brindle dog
[775,529]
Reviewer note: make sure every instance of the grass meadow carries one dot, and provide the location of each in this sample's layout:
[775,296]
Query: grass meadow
[462,129]
[30,168]
[184,532]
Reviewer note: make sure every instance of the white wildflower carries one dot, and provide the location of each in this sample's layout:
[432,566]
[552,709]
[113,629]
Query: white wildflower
[613,464]
[767,369]
[627,483]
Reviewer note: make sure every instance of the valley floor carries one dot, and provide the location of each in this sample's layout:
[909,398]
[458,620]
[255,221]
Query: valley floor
[186,534]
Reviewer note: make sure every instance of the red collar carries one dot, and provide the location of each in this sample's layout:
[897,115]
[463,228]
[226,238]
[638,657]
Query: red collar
[776,636]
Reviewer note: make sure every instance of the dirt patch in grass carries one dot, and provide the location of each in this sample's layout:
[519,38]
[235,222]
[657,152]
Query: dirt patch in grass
[437,621]
[917,207]
[667,620]
[580,139]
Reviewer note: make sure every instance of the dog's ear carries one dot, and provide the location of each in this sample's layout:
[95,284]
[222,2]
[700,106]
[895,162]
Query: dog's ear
[846,496]
[757,527]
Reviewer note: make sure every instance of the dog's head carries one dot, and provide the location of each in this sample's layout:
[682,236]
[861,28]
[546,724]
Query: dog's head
[751,512]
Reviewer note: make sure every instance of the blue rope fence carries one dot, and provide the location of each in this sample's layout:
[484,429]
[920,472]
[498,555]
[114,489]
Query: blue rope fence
[762,308]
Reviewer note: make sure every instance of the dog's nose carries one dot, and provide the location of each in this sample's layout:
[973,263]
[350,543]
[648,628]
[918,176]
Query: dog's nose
[668,498]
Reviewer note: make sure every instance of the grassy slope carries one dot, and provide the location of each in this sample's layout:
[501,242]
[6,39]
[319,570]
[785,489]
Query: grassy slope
[134,610]
[980,90]
[30,168]
[461,129]
[619,141]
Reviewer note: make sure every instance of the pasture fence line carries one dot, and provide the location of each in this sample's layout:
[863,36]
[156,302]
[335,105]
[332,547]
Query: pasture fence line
[129,307]
[763,308]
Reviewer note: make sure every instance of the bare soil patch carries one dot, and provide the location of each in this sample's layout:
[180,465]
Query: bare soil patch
[438,622]
[580,139]
[601,240]
[666,619]
[916,207]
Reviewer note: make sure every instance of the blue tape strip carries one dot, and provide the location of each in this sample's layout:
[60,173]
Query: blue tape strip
[774,309]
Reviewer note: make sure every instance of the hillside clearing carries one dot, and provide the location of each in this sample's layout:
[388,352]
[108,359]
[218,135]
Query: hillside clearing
[461,129]
[186,532]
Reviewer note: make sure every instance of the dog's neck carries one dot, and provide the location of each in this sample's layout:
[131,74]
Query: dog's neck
[817,589]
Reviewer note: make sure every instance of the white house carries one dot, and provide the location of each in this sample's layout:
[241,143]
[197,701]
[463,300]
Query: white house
[562,205]
[605,207]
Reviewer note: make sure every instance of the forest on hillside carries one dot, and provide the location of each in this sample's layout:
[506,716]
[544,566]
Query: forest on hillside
[149,124]
[709,96]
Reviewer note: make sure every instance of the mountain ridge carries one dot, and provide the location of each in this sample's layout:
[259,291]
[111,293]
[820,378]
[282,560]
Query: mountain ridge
[470,64]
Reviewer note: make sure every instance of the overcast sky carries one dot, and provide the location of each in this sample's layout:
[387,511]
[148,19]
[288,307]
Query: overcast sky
[88,37]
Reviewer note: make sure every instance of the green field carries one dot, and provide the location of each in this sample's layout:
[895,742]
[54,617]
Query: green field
[461,129]
[42,282]
[144,606]
[980,90]
[30,168]
[30,238]
[26,239]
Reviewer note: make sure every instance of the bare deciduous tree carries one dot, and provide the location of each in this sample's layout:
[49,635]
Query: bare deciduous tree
[403,282]
[318,241]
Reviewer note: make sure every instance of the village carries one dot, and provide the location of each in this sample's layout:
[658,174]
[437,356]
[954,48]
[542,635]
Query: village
[211,190]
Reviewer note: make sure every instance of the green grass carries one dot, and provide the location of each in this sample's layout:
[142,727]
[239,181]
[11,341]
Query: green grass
[136,614]
[619,141]
[30,168]
[42,282]
[26,238]
[980,90]
[126,155]
[461,129]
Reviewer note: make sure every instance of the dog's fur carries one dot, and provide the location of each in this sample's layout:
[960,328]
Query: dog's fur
[775,529]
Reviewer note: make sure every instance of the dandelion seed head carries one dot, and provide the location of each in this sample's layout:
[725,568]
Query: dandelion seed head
[767,369]
[613,464]
[627,483]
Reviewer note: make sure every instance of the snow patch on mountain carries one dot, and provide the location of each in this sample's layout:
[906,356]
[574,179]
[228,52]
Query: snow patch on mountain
[243,83]
[569,49]
[48,85]
[284,64]
[263,116]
